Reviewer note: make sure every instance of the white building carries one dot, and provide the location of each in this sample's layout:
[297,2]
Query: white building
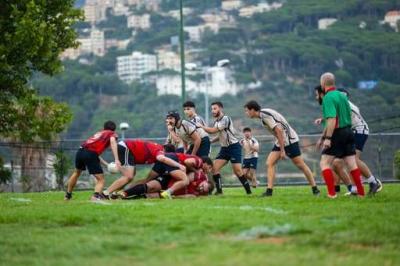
[176,13]
[229,5]
[94,11]
[139,21]
[249,11]
[151,5]
[392,17]
[172,84]
[324,23]
[196,32]
[168,60]
[132,67]
[119,44]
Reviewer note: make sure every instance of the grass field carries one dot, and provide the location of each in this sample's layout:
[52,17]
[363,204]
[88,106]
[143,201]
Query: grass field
[292,228]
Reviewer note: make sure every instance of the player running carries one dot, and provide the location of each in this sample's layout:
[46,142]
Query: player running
[88,157]
[230,147]
[286,144]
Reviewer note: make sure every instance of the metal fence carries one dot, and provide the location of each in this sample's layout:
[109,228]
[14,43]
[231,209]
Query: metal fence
[32,166]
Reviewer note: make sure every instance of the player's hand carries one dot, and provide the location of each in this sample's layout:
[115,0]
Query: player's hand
[118,164]
[199,125]
[170,127]
[326,144]
[318,121]
[282,155]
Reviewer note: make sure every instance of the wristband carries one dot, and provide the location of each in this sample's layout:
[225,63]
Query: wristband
[328,138]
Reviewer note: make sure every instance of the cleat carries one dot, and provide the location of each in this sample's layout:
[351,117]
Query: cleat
[316,191]
[95,197]
[105,197]
[267,193]
[165,195]
[351,193]
[332,196]
[373,188]
[68,196]
[218,193]
[380,185]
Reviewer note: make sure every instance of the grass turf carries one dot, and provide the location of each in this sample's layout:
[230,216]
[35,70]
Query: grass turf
[291,228]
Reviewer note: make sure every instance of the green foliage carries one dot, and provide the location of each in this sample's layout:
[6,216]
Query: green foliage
[61,167]
[397,164]
[5,174]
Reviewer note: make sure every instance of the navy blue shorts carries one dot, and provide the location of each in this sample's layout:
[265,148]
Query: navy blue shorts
[88,159]
[359,140]
[204,149]
[292,150]
[231,153]
[162,168]
[250,163]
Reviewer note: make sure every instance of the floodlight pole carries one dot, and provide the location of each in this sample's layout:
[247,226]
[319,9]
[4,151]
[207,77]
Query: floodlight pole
[182,51]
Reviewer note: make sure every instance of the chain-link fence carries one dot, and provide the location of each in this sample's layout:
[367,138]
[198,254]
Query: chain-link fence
[44,166]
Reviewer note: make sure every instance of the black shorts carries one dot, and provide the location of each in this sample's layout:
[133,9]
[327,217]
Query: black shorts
[162,168]
[125,156]
[250,163]
[164,181]
[359,140]
[231,153]
[204,149]
[291,150]
[88,159]
[342,143]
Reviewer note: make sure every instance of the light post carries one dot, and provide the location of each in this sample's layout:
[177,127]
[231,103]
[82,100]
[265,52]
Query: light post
[182,51]
[123,126]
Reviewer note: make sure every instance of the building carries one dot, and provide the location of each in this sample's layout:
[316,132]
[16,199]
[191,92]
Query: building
[196,32]
[119,44]
[392,18]
[249,11]
[324,23]
[95,11]
[168,60]
[132,67]
[150,5]
[229,5]
[139,21]
[176,13]
[172,84]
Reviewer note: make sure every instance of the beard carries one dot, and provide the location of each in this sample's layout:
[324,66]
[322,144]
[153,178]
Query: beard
[320,100]
[216,114]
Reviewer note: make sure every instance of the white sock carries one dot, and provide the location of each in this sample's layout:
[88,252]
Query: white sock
[353,189]
[371,179]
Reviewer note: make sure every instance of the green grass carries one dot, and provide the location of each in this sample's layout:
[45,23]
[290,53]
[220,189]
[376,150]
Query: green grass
[292,228]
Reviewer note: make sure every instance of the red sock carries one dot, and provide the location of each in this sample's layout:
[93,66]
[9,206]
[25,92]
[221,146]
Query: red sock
[330,181]
[356,174]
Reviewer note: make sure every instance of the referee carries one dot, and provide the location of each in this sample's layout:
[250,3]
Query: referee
[337,140]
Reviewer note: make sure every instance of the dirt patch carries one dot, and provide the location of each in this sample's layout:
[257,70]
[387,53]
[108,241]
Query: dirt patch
[169,246]
[271,240]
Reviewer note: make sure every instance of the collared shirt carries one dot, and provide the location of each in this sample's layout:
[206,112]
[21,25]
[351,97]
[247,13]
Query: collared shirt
[185,131]
[226,132]
[358,124]
[336,105]
[199,120]
[248,153]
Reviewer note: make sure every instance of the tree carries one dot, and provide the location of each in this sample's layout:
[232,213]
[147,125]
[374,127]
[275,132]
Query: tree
[32,35]
[61,167]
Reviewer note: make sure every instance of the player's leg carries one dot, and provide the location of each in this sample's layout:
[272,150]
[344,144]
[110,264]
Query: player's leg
[237,169]
[299,162]
[355,173]
[142,189]
[271,161]
[97,195]
[71,183]
[340,173]
[374,184]
[217,166]
[327,173]
[127,176]
[181,181]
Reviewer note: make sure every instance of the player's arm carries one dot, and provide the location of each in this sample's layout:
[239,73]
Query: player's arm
[209,130]
[175,138]
[164,159]
[114,149]
[254,147]
[196,142]
[279,135]
[215,139]
[102,161]
[190,165]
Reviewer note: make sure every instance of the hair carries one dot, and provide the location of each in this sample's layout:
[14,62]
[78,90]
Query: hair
[252,105]
[319,89]
[207,160]
[218,103]
[189,104]
[109,125]
[174,114]
[328,79]
[246,129]
[169,147]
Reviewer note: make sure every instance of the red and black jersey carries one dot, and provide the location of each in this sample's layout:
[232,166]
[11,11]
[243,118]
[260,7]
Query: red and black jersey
[144,152]
[182,157]
[193,187]
[99,141]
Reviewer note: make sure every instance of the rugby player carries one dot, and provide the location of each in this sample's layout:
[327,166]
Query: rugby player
[251,148]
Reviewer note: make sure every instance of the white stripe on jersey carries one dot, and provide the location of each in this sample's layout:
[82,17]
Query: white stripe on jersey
[227,133]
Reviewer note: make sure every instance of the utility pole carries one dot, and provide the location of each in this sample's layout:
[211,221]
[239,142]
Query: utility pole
[182,50]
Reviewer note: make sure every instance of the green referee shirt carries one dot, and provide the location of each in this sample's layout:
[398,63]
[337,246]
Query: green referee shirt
[336,105]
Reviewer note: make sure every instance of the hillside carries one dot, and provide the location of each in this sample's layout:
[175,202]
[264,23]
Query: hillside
[283,49]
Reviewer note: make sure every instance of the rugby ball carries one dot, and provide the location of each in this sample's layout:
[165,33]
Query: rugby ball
[112,168]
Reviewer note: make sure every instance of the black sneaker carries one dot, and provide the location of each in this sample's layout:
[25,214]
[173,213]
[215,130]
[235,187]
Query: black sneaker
[267,193]
[316,191]
[380,185]
[104,196]
[218,193]
[68,196]
[373,188]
